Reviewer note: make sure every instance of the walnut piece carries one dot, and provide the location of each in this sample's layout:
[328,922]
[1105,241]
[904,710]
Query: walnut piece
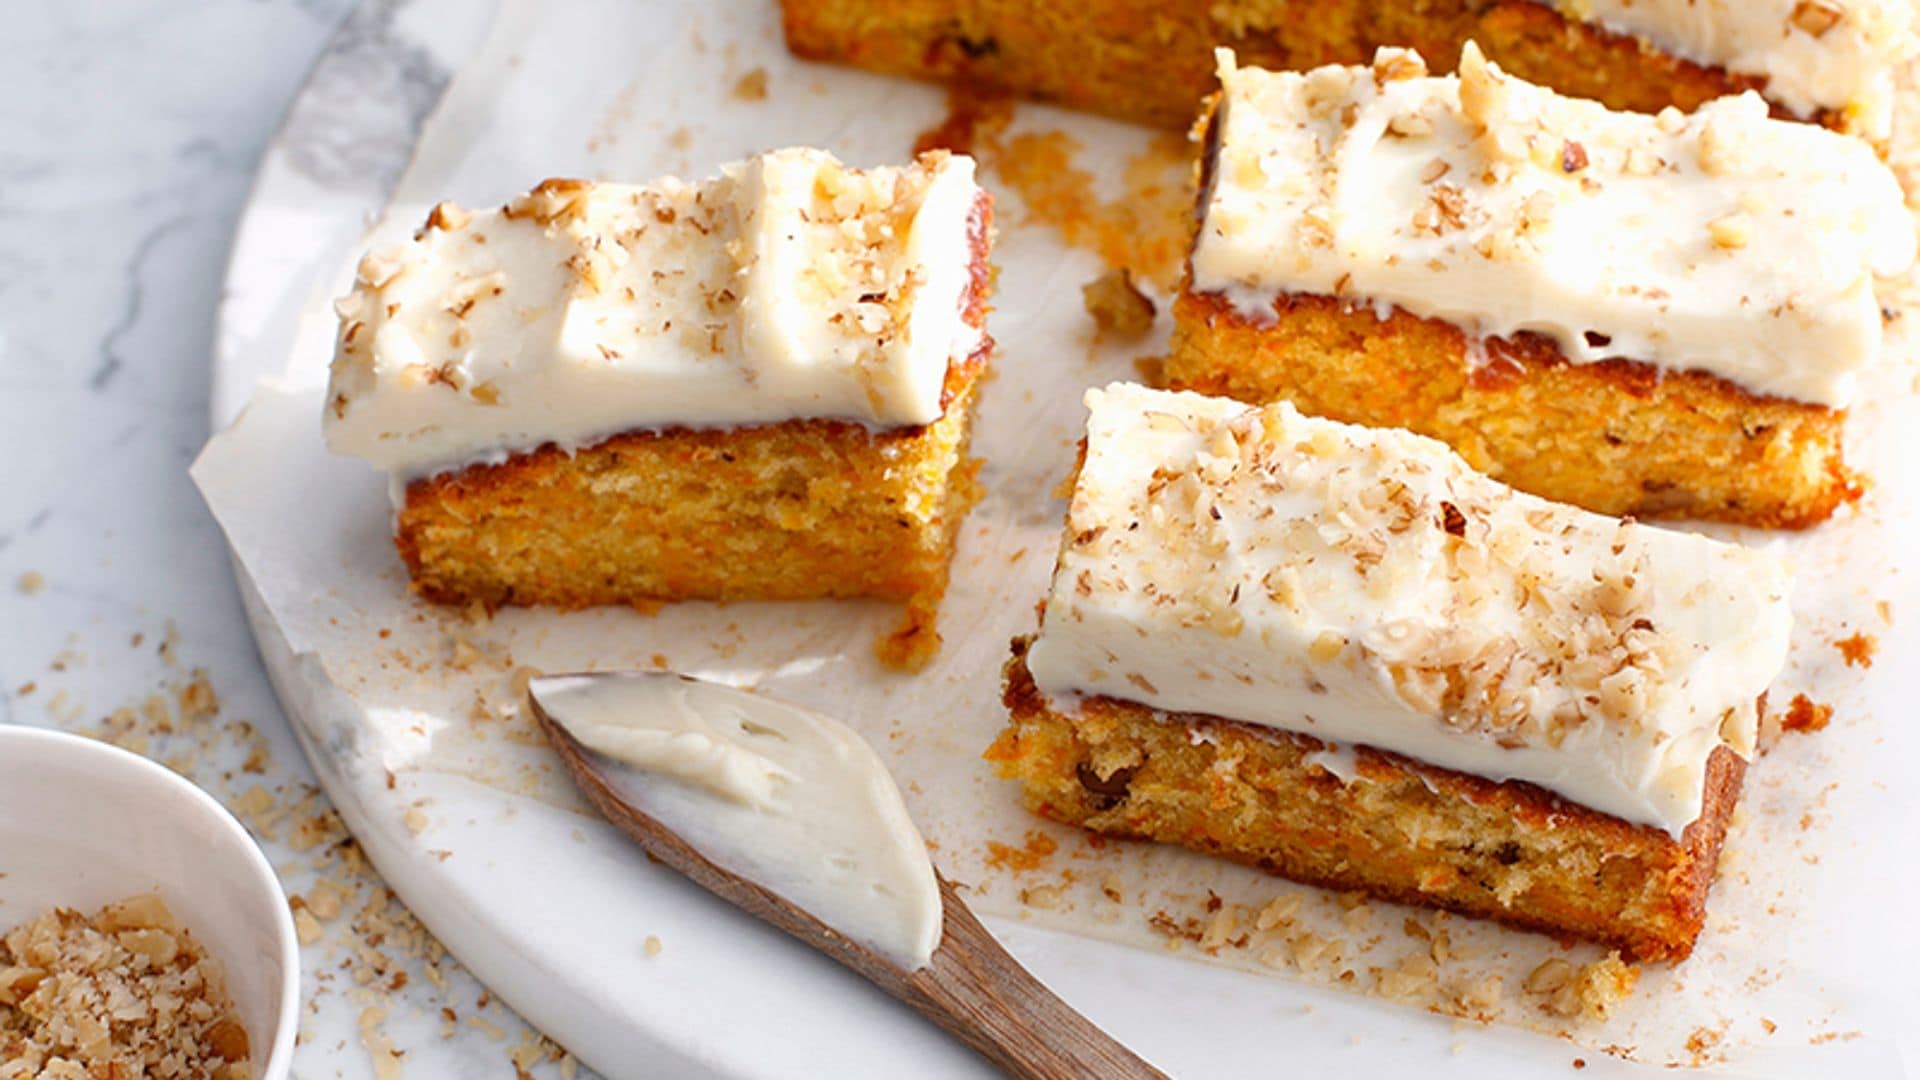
[1816,17]
[1118,307]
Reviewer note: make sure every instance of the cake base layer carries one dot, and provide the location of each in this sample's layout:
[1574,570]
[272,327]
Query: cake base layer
[1152,62]
[1399,831]
[807,509]
[1617,437]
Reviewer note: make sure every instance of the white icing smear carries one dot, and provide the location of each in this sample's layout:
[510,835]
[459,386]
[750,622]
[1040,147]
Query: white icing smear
[1364,586]
[1815,55]
[788,287]
[1724,241]
[788,798]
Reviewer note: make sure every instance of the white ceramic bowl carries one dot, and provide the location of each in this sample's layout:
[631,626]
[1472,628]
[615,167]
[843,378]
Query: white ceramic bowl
[83,824]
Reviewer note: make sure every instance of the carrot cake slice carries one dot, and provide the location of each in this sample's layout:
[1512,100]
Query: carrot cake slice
[1340,654]
[1833,61]
[754,387]
[1656,315]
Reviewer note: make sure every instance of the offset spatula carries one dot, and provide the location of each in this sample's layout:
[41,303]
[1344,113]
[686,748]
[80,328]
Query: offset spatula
[970,986]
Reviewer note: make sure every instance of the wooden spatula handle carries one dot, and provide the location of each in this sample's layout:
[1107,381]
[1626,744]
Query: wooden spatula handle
[982,995]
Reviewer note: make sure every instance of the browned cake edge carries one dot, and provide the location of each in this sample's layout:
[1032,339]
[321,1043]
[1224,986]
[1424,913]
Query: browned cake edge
[1258,801]
[1151,62]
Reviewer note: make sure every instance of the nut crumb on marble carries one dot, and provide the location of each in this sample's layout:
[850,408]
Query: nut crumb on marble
[1044,897]
[1858,650]
[752,86]
[1118,307]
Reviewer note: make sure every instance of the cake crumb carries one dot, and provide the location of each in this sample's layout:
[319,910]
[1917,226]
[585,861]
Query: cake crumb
[1119,309]
[1804,715]
[196,699]
[1475,998]
[652,946]
[1037,849]
[1858,650]
[1832,1036]
[1044,897]
[1702,1040]
[1221,930]
[1416,975]
[1280,911]
[1587,992]
[1145,229]
[752,86]
[32,582]
[970,115]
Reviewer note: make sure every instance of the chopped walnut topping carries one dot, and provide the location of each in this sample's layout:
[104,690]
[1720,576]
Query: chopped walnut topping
[1410,125]
[448,217]
[1443,212]
[1717,148]
[1640,162]
[1816,17]
[1396,65]
[377,268]
[553,202]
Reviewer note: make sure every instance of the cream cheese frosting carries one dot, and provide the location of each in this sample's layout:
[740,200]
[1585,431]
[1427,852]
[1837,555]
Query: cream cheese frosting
[1722,241]
[1815,55]
[1365,586]
[790,286]
[779,795]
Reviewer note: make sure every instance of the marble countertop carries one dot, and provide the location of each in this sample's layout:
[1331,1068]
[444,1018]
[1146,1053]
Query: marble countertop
[129,132]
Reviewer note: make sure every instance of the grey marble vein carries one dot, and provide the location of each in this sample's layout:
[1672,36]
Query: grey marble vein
[111,362]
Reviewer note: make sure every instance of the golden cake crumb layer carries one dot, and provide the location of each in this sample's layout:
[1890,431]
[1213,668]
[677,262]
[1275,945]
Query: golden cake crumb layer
[1395,829]
[801,510]
[1150,62]
[1615,436]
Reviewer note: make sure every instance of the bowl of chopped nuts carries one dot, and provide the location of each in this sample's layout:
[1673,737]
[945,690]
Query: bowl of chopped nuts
[139,923]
